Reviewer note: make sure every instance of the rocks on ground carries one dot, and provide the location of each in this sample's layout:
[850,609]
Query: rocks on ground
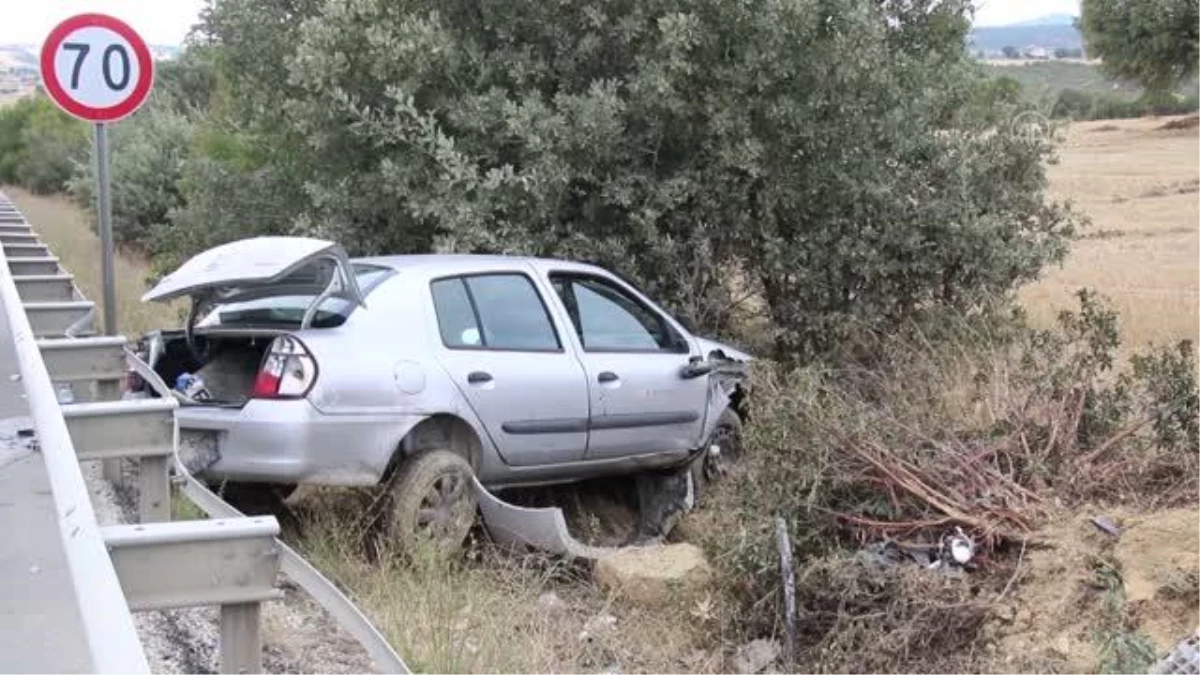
[755,656]
[654,575]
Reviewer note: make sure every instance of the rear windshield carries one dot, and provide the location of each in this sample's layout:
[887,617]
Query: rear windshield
[287,308]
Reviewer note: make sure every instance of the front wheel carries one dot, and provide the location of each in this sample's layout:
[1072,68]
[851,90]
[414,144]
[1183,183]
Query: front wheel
[432,498]
[722,451]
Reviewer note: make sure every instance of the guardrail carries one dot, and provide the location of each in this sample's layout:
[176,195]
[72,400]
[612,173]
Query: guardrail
[231,561]
[110,633]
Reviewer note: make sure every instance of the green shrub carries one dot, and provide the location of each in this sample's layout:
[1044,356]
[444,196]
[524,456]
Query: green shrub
[827,158]
[148,151]
[40,146]
[13,121]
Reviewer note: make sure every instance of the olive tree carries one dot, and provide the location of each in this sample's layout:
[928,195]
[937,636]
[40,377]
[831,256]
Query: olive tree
[827,159]
[1156,42]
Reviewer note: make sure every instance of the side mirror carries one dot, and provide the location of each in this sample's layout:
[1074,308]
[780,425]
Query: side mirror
[696,367]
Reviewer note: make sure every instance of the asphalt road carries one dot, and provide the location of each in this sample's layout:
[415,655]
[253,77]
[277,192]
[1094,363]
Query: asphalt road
[40,628]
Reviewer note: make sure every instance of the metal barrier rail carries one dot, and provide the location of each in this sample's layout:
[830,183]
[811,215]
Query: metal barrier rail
[101,426]
[324,591]
[168,564]
[111,636]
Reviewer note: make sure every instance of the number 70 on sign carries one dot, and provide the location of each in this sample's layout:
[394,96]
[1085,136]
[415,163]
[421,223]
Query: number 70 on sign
[96,67]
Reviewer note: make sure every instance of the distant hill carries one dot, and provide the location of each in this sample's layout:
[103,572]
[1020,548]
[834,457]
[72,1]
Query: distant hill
[1048,20]
[17,55]
[1052,32]
[27,55]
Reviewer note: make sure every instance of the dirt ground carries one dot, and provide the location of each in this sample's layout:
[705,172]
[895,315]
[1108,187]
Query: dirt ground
[1082,586]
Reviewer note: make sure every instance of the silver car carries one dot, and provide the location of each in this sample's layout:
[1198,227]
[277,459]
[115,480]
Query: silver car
[299,365]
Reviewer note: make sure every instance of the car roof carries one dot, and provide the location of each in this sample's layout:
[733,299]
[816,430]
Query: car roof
[453,263]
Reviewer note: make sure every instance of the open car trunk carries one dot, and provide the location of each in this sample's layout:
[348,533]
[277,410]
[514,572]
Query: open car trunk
[244,294]
[221,369]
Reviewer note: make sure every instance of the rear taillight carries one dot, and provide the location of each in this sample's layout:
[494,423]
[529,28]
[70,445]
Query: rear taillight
[288,370]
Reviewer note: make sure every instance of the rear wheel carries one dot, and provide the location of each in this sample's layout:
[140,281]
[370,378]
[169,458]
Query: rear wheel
[432,499]
[722,451]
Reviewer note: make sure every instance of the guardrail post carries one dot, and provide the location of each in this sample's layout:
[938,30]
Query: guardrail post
[154,490]
[241,638]
[110,390]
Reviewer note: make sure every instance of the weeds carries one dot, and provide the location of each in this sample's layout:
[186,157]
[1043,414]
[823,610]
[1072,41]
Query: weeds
[1122,650]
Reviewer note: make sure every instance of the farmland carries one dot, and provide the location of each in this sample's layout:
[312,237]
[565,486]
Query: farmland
[1137,182]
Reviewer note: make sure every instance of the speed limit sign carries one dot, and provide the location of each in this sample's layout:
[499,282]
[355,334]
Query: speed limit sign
[96,67]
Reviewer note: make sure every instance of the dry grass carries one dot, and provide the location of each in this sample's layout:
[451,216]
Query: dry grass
[69,233]
[481,612]
[1138,183]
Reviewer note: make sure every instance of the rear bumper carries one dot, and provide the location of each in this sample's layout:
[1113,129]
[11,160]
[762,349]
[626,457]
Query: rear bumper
[293,442]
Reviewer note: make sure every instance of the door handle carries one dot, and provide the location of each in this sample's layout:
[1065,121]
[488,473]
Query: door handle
[607,376]
[479,377]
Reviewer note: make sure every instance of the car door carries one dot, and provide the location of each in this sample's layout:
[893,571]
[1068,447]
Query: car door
[634,360]
[501,348]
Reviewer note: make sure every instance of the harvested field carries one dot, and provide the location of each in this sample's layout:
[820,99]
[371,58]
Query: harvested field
[1138,183]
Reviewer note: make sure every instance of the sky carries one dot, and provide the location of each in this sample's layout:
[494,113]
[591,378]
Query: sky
[1002,12]
[163,22]
[167,21]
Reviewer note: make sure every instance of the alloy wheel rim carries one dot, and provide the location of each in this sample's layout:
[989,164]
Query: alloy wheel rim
[445,506]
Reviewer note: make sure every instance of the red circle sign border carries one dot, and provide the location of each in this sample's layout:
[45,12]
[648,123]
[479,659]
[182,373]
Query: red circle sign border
[60,96]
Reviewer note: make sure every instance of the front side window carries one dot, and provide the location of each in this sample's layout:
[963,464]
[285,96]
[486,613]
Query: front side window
[492,311]
[608,318]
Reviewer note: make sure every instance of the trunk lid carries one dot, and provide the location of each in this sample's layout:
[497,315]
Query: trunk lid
[262,267]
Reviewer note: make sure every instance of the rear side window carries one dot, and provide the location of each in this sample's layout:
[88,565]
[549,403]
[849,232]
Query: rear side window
[493,311]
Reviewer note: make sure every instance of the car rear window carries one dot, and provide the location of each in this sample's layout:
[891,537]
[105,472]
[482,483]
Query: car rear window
[287,309]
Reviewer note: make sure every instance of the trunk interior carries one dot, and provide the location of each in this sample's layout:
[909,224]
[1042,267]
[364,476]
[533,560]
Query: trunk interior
[226,365]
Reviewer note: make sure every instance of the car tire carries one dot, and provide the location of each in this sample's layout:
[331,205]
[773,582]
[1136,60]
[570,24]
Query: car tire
[432,498]
[707,468]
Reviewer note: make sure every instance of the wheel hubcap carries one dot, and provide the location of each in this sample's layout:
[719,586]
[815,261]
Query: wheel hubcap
[445,506]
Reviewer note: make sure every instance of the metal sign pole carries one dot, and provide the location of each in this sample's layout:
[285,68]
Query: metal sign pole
[104,213]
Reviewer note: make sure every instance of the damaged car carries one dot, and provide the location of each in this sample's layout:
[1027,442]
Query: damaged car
[297,364]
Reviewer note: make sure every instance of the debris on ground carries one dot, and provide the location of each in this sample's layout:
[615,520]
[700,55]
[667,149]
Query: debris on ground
[550,603]
[601,624]
[600,513]
[1106,525]
[755,656]
[952,554]
[653,575]
[1184,659]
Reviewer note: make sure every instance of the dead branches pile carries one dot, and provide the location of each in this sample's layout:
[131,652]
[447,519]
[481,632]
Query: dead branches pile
[953,487]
